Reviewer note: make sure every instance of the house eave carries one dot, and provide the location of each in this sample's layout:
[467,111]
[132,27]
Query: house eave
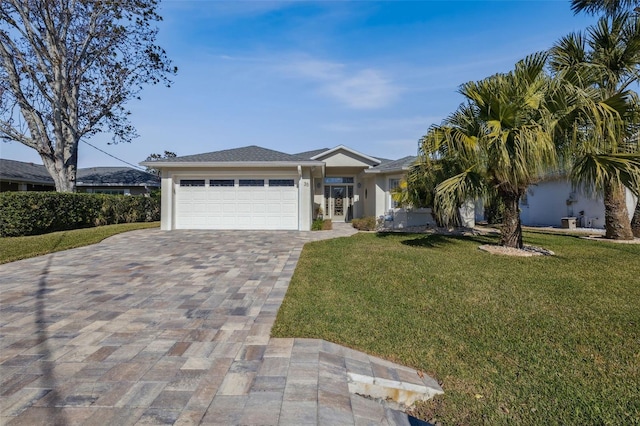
[375,171]
[29,181]
[342,147]
[230,164]
[122,185]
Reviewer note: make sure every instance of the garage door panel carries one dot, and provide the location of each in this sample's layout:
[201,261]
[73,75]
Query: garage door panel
[241,209]
[236,207]
[289,196]
[227,195]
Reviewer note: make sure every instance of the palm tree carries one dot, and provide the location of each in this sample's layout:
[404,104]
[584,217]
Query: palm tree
[605,61]
[499,142]
[608,7]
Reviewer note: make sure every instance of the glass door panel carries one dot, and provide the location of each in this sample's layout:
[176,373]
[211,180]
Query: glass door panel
[338,195]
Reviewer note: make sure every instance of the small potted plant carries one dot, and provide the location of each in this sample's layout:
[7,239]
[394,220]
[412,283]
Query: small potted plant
[319,213]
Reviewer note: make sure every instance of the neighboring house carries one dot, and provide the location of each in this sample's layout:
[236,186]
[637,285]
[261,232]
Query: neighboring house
[258,188]
[21,176]
[116,180]
[546,203]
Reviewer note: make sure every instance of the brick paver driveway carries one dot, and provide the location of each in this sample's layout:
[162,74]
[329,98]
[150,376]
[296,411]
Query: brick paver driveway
[142,327]
[152,327]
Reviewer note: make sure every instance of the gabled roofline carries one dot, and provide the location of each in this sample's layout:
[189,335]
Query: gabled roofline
[402,165]
[229,164]
[387,171]
[353,151]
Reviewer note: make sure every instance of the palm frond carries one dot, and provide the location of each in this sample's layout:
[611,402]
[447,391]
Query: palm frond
[592,171]
[453,192]
[609,7]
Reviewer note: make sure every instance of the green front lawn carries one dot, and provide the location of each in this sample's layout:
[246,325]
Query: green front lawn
[543,340]
[16,248]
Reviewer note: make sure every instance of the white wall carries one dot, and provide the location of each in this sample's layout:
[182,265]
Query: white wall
[166,205]
[548,202]
[369,196]
[380,196]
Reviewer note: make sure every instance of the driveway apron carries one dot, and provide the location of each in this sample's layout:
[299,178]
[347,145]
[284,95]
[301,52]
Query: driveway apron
[153,327]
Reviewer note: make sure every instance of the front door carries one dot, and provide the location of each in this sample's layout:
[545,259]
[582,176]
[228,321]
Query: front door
[339,202]
[338,197]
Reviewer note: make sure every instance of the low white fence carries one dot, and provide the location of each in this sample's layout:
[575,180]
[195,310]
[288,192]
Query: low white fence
[403,218]
[410,218]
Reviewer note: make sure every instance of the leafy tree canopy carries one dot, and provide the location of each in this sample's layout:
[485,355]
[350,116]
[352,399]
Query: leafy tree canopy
[155,157]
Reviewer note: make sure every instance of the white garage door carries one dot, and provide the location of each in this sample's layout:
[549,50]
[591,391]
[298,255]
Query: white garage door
[236,204]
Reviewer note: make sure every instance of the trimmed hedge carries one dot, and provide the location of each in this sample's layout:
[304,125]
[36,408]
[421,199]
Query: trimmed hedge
[35,213]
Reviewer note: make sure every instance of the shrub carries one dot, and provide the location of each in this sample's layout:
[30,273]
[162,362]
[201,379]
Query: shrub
[365,224]
[34,213]
[321,225]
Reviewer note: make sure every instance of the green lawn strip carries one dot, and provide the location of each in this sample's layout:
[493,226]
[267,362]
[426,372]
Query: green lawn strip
[543,340]
[16,248]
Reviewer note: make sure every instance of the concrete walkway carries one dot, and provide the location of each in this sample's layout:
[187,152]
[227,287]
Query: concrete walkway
[152,327]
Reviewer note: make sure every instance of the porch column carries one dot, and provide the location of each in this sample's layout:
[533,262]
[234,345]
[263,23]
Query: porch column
[166,207]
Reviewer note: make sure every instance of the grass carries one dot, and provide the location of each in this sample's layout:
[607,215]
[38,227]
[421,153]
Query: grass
[16,248]
[543,340]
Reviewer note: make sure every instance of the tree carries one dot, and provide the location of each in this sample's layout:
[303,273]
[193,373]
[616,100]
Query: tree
[608,7]
[155,157]
[442,154]
[606,155]
[67,69]
[500,141]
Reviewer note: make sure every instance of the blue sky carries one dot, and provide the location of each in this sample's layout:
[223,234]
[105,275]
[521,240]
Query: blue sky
[296,76]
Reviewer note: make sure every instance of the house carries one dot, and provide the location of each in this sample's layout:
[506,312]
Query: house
[21,176]
[116,180]
[546,203]
[258,188]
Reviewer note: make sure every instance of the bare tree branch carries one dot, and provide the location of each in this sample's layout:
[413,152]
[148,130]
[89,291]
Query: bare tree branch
[68,68]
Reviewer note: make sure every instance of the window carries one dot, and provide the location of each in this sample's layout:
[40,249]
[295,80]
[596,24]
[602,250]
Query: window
[393,184]
[281,182]
[191,182]
[338,180]
[221,182]
[251,182]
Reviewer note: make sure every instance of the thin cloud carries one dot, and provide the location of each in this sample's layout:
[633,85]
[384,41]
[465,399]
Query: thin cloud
[366,88]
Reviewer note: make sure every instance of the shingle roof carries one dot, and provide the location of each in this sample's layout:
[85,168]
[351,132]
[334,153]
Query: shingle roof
[115,176]
[392,166]
[93,176]
[24,172]
[251,153]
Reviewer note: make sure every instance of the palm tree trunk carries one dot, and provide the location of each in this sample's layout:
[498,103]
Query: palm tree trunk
[635,222]
[511,231]
[616,215]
